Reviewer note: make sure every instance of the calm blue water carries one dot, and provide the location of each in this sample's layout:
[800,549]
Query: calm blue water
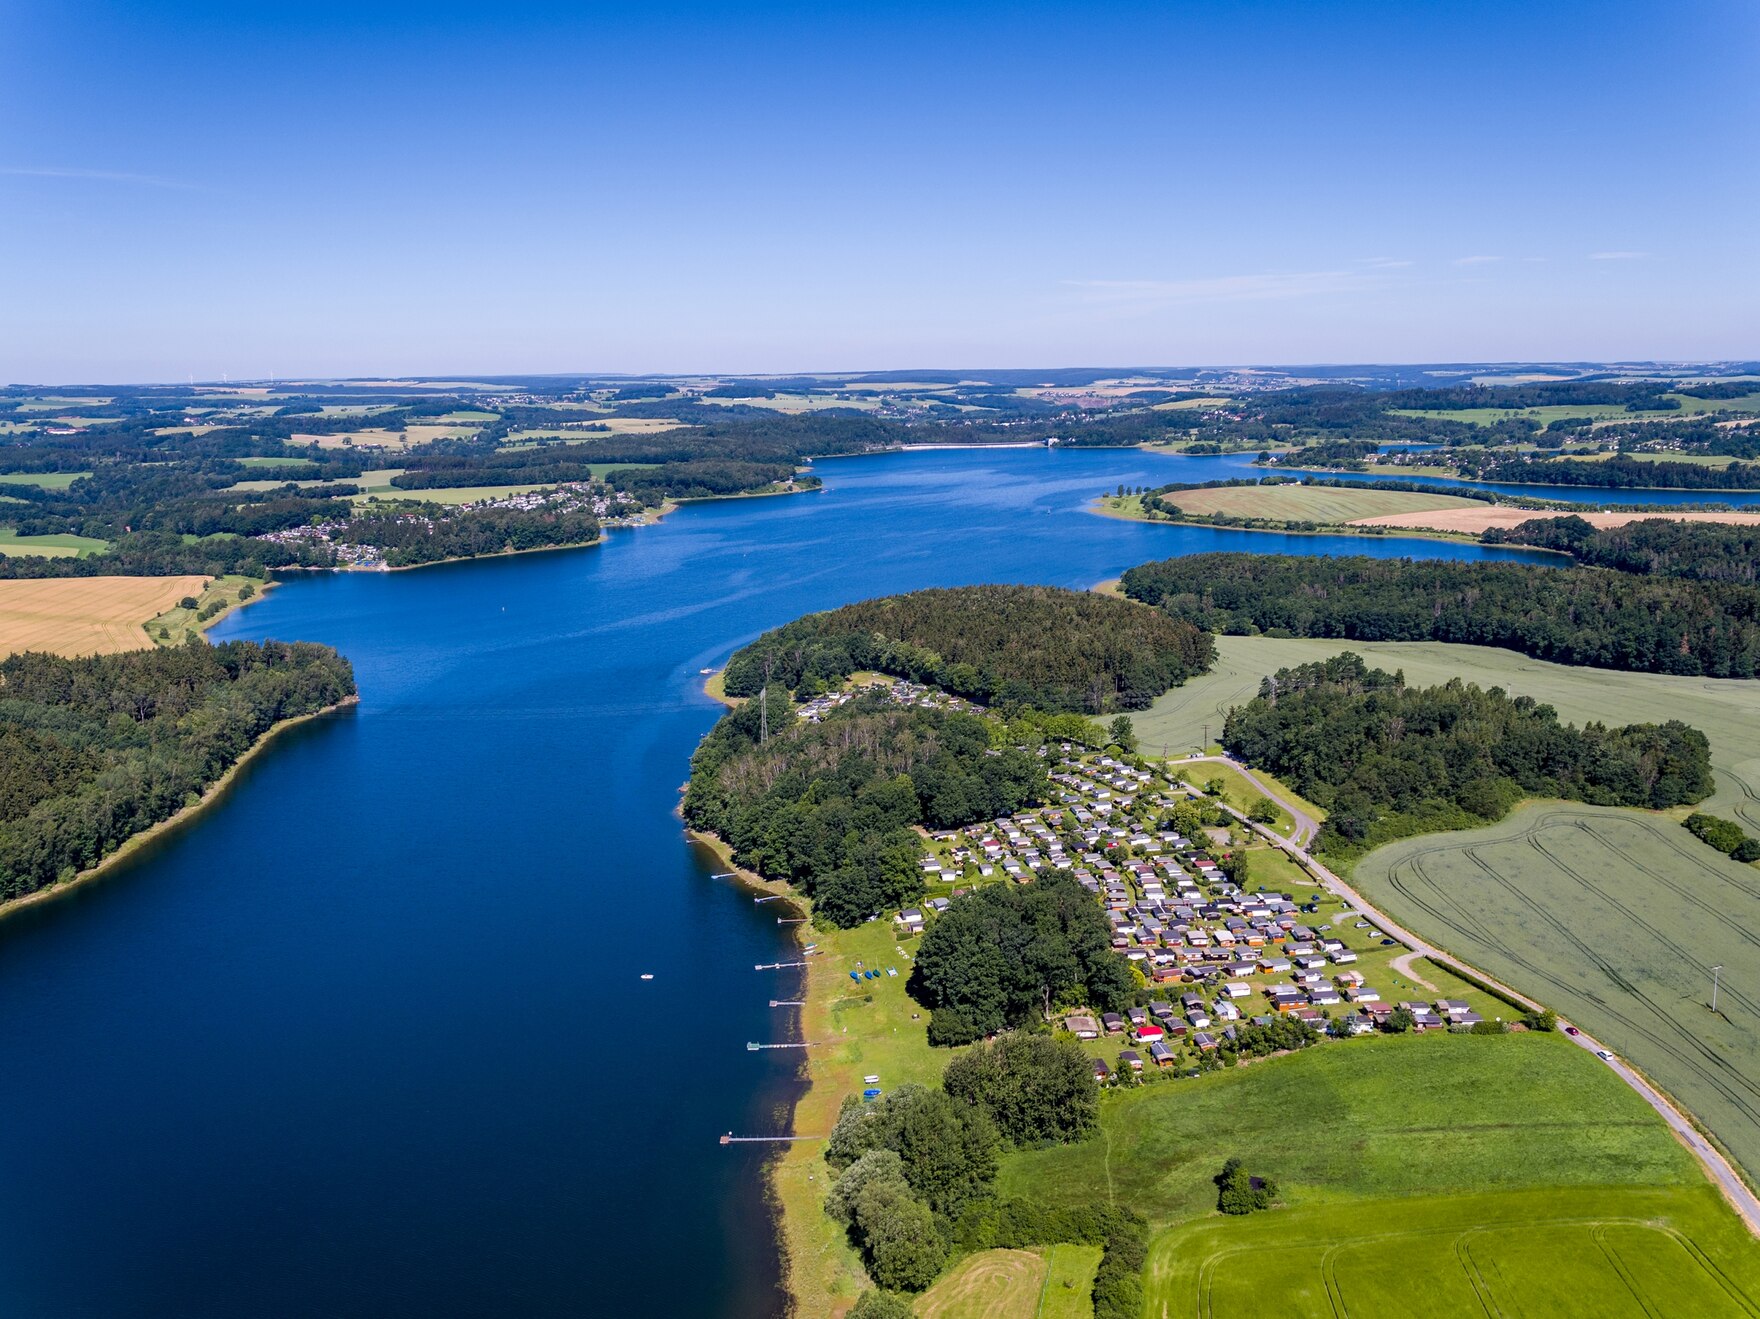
[368,1039]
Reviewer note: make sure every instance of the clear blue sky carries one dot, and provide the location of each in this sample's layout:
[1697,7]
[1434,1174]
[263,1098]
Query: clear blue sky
[349,189]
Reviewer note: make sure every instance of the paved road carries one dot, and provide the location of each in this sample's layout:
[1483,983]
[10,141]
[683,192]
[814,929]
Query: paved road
[1720,1170]
[1306,825]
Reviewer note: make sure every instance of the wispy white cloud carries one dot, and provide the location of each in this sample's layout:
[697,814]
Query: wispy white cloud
[1221,288]
[98,176]
[1617,256]
[1383,262]
[1476,260]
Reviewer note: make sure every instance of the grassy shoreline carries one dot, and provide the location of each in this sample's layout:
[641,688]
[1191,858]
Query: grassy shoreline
[184,815]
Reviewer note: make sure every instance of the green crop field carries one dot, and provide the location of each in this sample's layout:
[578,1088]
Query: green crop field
[59,546]
[1610,1253]
[289,463]
[47,480]
[1616,919]
[1305,503]
[1420,1176]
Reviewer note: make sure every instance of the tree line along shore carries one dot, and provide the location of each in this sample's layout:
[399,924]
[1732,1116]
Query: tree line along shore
[1097,899]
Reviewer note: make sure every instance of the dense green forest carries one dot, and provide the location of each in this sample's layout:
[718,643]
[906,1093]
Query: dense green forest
[1387,761]
[1619,472]
[1014,646]
[93,751]
[1569,615]
[706,479]
[829,806]
[1653,547]
[1005,955]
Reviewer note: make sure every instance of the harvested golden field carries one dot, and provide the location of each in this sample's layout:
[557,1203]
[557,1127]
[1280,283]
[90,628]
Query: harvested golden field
[86,615]
[1477,517]
[1315,503]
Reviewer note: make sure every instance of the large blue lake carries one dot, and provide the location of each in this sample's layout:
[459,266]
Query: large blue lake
[369,1037]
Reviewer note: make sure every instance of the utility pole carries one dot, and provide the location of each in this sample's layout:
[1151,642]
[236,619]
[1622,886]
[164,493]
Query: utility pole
[1714,973]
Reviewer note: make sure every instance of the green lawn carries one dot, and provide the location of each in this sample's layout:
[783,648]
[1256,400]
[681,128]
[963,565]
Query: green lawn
[47,480]
[61,546]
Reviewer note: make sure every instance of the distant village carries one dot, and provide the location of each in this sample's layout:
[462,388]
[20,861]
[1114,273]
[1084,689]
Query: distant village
[613,508]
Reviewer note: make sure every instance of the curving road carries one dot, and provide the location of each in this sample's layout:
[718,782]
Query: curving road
[1741,1198]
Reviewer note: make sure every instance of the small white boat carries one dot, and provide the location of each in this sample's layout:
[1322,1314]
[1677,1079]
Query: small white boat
[647,975]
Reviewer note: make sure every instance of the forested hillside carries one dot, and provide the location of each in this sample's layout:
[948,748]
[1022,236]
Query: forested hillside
[1567,615]
[829,806]
[93,751]
[1617,473]
[1653,547]
[1387,761]
[1037,646]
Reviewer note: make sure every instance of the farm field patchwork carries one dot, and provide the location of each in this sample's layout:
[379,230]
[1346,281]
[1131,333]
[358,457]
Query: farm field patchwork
[86,615]
[1615,918]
